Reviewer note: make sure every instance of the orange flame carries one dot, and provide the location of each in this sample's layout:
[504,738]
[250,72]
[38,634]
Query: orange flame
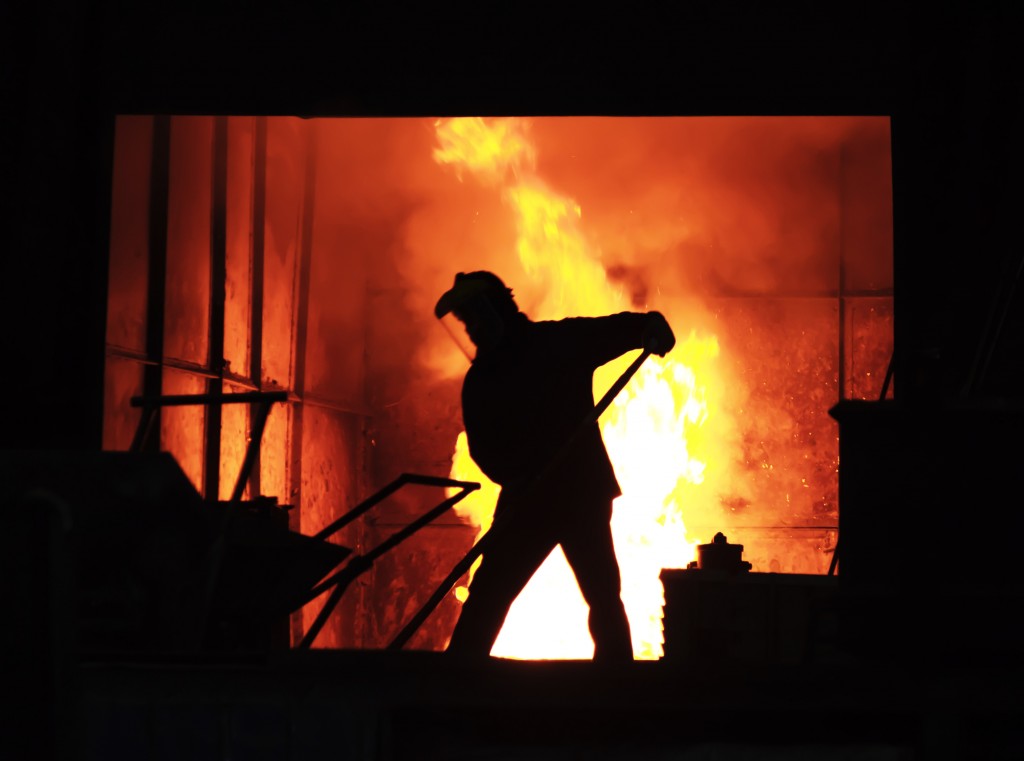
[648,430]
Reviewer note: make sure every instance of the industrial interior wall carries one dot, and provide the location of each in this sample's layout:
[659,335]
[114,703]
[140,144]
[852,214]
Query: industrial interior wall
[775,235]
[194,195]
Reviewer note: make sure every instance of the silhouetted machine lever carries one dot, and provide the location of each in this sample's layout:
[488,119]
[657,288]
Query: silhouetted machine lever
[361,563]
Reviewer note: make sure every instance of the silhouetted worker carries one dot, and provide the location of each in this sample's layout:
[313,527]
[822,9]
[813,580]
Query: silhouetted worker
[528,392]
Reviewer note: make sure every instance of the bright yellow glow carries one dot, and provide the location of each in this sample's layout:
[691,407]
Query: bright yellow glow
[486,151]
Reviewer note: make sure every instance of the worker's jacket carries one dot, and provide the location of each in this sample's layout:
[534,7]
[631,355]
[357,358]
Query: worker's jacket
[523,400]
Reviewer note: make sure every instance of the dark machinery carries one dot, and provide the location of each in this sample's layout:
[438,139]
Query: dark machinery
[717,610]
[135,560]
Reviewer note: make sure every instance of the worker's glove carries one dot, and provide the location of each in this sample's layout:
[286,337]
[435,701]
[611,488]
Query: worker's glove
[658,337]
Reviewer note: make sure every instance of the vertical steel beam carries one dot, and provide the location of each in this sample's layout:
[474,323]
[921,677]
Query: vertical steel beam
[259,214]
[218,279]
[842,273]
[159,188]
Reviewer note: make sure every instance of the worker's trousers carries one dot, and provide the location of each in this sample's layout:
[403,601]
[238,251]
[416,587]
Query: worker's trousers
[521,542]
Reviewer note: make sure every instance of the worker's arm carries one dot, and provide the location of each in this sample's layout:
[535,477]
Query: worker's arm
[593,341]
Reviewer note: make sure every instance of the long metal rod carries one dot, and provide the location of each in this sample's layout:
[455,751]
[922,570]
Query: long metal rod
[218,297]
[387,491]
[497,528]
[325,612]
[151,407]
[156,277]
[184,400]
[361,508]
[841,339]
[256,279]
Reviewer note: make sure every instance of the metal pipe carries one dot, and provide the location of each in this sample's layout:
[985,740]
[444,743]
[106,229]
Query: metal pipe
[387,491]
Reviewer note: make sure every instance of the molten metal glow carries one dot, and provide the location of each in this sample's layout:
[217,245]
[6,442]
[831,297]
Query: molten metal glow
[646,430]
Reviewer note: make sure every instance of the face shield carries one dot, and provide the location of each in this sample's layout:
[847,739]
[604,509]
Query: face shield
[469,315]
[456,328]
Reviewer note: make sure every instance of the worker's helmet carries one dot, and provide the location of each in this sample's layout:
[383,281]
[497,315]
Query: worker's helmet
[475,309]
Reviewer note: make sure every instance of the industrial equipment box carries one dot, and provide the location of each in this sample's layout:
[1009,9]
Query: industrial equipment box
[743,617]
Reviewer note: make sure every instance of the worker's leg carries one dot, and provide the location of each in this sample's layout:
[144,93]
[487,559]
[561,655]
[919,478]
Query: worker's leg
[589,549]
[504,570]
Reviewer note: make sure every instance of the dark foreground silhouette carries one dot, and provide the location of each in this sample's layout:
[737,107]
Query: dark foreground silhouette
[527,401]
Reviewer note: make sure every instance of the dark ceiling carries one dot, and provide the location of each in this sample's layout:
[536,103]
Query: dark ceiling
[944,78]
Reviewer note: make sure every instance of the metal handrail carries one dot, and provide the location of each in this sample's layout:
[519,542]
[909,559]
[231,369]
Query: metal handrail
[359,564]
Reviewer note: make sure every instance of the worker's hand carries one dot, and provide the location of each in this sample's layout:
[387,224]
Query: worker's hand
[658,337]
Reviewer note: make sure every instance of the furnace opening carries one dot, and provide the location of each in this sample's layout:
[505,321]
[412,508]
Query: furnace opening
[305,256]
